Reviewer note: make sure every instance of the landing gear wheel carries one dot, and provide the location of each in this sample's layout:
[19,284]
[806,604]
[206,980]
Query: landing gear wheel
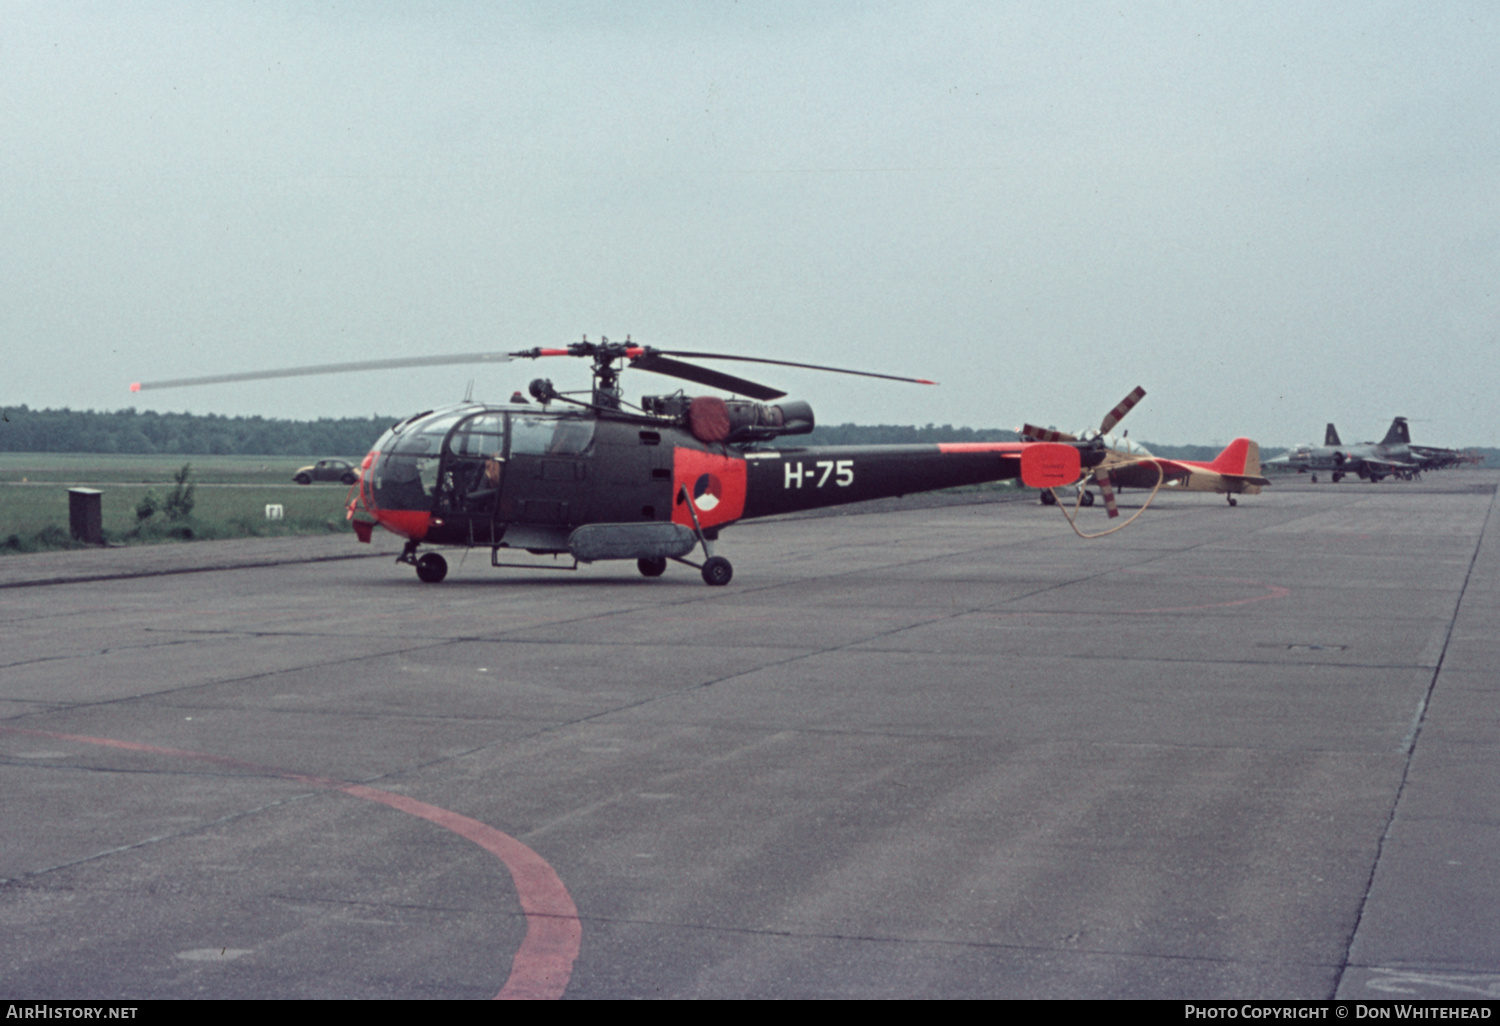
[432,568]
[1048,499]
[1336,478]
[652,567]
[1086,499]
[717,571]
[1231,500]
[1315,478]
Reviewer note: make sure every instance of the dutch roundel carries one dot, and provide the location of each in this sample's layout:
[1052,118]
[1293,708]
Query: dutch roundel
[707,491]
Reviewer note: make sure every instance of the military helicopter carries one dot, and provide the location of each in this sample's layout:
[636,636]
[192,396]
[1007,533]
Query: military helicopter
[589,476]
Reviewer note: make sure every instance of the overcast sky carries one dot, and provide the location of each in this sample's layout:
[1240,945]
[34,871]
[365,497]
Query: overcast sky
[1271,215]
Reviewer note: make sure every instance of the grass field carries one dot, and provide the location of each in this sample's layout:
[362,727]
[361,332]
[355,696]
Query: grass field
[95,470]
[231,494]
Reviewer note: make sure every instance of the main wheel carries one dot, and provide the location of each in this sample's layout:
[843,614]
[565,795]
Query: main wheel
[717,571]
[1048,499]
[432,568]
[1087,498]
[653,567]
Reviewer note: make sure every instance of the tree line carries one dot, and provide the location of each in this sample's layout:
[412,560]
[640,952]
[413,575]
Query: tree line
[129,431]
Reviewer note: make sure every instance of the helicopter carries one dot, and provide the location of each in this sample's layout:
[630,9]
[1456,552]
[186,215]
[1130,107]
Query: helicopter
[598,478]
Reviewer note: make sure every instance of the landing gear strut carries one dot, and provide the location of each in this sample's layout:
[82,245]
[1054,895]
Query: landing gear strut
[431,567]
[716,569]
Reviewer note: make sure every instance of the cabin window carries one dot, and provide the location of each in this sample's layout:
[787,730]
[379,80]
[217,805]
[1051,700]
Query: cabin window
[549,436]
[483,435]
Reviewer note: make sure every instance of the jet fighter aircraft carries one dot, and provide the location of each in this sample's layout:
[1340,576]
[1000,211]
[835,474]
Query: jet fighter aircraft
[1392,456]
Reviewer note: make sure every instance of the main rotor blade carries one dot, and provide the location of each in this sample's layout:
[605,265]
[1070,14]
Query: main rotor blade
[1117,414]
[788,363]
[659,364]
[327,368]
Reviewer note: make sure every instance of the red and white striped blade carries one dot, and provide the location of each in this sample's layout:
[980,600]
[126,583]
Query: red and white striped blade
[1042,434]
[1117,414]
[1107,489]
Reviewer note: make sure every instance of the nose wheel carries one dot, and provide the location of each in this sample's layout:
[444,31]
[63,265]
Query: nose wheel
[717,571]
[432,568]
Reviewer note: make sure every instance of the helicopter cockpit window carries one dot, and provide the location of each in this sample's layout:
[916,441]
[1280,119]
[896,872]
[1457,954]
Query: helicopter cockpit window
[426,436]
[483,435]
[470,481]
[405,475]
[549,436]
[403,481]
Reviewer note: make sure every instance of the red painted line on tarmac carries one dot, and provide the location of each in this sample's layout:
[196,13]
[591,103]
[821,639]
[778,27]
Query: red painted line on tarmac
[543,963]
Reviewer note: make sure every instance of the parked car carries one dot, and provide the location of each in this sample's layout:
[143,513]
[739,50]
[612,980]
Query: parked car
[327,470]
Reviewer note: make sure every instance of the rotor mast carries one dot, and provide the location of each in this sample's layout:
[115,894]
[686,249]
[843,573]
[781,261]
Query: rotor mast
[606,356]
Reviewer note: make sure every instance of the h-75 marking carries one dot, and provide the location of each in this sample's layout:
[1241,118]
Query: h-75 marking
[844,477]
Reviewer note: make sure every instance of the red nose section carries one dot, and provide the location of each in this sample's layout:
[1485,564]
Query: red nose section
[1049,465]
[409,523]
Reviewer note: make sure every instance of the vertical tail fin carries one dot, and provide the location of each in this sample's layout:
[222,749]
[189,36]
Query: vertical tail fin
[1240,457]
[1399,434]
[1331,436]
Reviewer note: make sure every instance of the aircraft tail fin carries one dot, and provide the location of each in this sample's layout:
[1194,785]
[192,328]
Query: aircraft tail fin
[1239,464]
[1399,434]
[1331,436]
[1241,456]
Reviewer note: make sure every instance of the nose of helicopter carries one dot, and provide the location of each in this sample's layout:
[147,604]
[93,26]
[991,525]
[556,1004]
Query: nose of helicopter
[384,504]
